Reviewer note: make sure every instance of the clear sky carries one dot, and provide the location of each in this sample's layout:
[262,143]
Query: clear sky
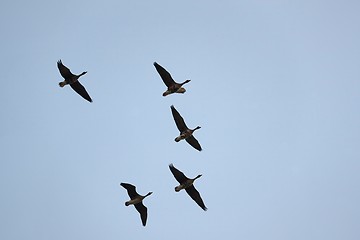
[275,87]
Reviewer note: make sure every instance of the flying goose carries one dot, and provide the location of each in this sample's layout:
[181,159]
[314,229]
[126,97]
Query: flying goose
[173,87]
[188,185]
[185,132]
[136,200]
[73,80]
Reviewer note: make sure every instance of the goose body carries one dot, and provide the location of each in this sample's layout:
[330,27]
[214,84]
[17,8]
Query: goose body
[173,87]
[136,200]
[185,132]
[72,80]
[187,184]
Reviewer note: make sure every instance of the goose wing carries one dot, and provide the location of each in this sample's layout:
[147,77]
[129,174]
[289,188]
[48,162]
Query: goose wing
[165,75]
[143,212]
[193,142]
[179,176]
[195,195]
[131,189]
[81,90]
[64,71]
[180,123]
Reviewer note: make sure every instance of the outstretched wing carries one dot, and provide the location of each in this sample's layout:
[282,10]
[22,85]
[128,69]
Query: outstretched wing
[64,71]
[179,176]
[195,195]
[131,189]
[193,142]
[165,75]
[180,123]
[80,90]
[143,212]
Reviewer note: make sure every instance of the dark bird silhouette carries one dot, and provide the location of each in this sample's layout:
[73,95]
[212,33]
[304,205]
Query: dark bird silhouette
[188,185]
[173,87]
[73,80]
[136,200]
[185,132]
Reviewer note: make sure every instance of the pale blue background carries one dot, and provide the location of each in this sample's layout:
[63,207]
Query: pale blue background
[275,86]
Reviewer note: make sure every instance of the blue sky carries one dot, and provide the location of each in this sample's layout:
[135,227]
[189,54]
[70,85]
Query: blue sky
[275,87]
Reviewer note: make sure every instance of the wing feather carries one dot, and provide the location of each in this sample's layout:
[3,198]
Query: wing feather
[179,176]
[165,75]
[143,212]
[179,121]
[195,195]
[80,89]
[131,189]
[64,71]
[193,142]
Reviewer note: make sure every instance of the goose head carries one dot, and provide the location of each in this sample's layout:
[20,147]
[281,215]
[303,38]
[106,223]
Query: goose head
[198,127]
[83,73]
[149,193]
[186,81]
[197,177]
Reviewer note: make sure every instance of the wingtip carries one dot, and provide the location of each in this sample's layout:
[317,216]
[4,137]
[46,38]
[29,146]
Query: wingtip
[199,149]
[156,65]
[88,99]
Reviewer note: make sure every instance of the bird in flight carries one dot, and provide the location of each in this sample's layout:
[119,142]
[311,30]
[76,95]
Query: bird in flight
[185,132]
[136,200]
[173,87]
[72,80]
[187,184]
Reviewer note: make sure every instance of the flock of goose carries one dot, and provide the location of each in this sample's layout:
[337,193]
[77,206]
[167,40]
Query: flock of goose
[185,133]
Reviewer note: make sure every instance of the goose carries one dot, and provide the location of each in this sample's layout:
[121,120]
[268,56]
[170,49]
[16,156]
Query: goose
[173,87]
[188,185]
[185,132]
[136,200]
[72,80]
